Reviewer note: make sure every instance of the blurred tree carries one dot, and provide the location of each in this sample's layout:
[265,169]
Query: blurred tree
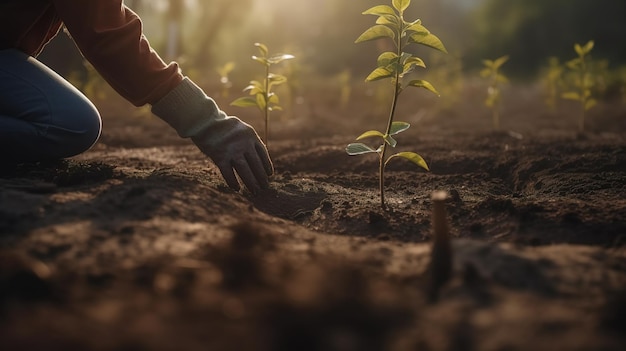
[174,29]
[531,30]
[215,17]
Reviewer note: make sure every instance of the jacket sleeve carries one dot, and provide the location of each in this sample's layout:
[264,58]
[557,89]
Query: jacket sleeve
[110,37]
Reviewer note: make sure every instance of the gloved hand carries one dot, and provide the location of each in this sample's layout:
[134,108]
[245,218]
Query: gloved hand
[233,145]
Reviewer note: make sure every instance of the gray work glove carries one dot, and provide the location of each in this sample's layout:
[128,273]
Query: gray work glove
[233,145]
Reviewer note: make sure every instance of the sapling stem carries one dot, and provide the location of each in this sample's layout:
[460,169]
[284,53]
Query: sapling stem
[392,113]
[583,101]
[492,72]
[266,111]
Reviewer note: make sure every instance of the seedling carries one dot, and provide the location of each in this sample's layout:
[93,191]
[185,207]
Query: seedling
[448,70]
[552,79]
[583,82]
[224,72]
[395,66]
[261,94]
[491,71]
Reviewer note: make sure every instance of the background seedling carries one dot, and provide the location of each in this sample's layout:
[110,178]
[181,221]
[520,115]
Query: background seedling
[552,82]
[261,94]
[583,81]
[447,70]
[225,82]
[395,66]
[491,71]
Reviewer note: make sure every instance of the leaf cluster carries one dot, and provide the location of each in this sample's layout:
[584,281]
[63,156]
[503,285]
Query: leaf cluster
[584,80]
[552,78]
[260,92]
[391,24]
[396,128]
[492,72]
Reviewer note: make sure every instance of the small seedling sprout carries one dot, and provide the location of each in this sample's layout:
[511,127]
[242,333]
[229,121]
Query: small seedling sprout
[261,94]
[552,80]
[583,82]
[491,71]
[395,66]
[224,73]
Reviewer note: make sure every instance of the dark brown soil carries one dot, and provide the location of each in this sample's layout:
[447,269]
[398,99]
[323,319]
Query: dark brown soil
[139,245]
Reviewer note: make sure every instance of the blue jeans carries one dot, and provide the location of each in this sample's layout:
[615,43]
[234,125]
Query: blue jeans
[42,116]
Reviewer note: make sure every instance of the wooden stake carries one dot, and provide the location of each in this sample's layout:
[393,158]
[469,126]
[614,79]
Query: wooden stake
[440,268]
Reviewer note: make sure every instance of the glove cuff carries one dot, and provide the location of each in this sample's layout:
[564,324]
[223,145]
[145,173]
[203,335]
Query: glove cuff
[187,109]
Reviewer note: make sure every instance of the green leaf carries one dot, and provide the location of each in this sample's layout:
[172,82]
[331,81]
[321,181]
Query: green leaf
[588,47]
[390,140]
[401,5]
[376,32]
[429,40]
[261,60]
[583,50]
[590,103]
[411,63]
[386,58]
[262,49]
[276,79]
[279,58]
[273,99]
[417,27]
[419,83]
[571,96]
[411,156]
[398,127]
[379,73]
[371,133]
[416,61]
[255,87]
[392,21]
[260,101]
[359,149]
[228,67]
[380,10]
[500,61]
[485,72]
[501,78]
[246,101]
[573,64]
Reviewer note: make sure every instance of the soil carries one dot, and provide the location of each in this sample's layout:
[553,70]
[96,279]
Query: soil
[139,245]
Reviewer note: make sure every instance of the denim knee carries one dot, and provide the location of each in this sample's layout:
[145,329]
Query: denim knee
[79,131]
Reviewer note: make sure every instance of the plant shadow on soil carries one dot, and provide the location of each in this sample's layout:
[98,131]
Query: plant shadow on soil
[138,245]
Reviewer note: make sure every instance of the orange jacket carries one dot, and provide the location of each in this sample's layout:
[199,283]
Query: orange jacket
[108,34]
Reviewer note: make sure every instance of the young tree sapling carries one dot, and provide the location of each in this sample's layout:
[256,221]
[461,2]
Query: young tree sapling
[392,25]
[261,94]
[583,81]
[492,72]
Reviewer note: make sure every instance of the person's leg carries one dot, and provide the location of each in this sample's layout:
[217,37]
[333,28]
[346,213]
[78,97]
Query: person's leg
[42,116]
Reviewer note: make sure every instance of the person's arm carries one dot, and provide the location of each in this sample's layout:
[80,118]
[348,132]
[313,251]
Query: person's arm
[110,37]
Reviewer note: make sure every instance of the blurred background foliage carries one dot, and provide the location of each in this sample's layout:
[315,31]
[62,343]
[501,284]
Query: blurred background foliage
[206,35]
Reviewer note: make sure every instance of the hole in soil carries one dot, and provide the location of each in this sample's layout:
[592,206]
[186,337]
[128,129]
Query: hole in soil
[291,201]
